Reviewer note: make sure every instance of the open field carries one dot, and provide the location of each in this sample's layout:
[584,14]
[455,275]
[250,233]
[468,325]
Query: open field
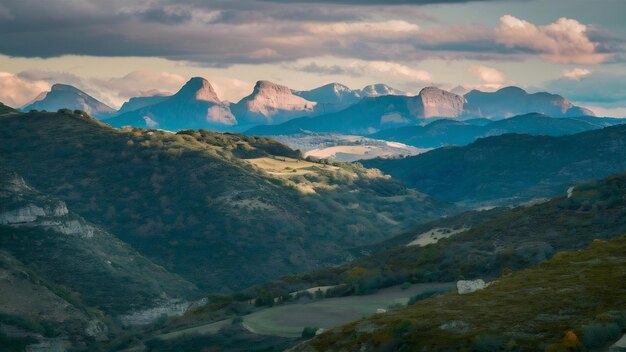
[434,235]
[289,320]
[212,328]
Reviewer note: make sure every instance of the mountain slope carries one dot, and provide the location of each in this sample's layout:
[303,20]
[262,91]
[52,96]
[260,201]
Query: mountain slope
[63,96]
[571,302]
[66,250]
[271,103]
[5,109]
[453,132]
[219,209]
[195,105]
[479,244]
[376,90]
[511,101]
[373,114]
[331,94]
[137,103]
[511,168]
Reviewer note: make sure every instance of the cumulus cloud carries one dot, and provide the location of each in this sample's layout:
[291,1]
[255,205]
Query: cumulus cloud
[490,78]
[575,73]
[564,41]
[15,91]
[375,29]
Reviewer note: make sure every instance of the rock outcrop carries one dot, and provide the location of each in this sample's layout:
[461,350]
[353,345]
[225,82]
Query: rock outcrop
[468,286]
[271,103]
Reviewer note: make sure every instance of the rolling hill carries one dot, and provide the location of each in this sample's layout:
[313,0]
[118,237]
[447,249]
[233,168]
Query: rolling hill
[221,210]
[477,244]
[574,301]
[511,168]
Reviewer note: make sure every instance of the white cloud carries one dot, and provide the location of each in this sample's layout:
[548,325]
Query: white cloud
[370,29]
[576,73]
[488,74]
[564,41]
[490,78]
[396,69]
[15,91]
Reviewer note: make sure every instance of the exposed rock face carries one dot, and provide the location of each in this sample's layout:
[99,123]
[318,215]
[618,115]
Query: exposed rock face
[440,103]
[63,96]
[331,97]
[22,206]
[469,286]
[137,103]
[170,308]
[196,105]
[271,103]
[377,90]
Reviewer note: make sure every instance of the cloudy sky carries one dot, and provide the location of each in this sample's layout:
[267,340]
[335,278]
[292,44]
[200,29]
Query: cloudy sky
[116,49]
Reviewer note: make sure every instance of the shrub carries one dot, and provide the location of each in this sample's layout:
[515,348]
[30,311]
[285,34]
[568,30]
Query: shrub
[405,285]
[309,332]
[487,343]
[600,334]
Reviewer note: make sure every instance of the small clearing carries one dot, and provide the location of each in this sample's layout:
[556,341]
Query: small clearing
[434,235]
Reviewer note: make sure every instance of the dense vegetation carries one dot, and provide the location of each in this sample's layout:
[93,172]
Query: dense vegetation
[497,240]
[91,266]
[573,302]
[511,168]
[193,203]
[5,109]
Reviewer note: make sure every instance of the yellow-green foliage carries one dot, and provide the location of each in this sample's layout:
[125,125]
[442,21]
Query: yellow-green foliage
[546,307]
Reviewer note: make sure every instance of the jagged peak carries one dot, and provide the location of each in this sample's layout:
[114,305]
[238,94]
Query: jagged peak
[198,88]
[270,88]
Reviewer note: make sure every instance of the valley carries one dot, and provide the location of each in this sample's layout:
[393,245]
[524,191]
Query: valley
[312,176]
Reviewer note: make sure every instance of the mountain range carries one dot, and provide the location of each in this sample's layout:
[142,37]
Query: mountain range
[455,132]
[371,115]
[273,109]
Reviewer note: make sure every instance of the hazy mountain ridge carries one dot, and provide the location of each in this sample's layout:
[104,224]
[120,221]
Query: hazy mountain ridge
[511,101]
[63,96]
[511,168]
[371,115]
[453,132]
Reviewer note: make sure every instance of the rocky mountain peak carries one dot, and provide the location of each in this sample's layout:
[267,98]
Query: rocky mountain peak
[198,88]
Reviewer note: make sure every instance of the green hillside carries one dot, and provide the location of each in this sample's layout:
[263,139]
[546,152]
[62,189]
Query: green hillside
[512,168]
[573,302]
[485,243]
[66,250]
[224,211]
